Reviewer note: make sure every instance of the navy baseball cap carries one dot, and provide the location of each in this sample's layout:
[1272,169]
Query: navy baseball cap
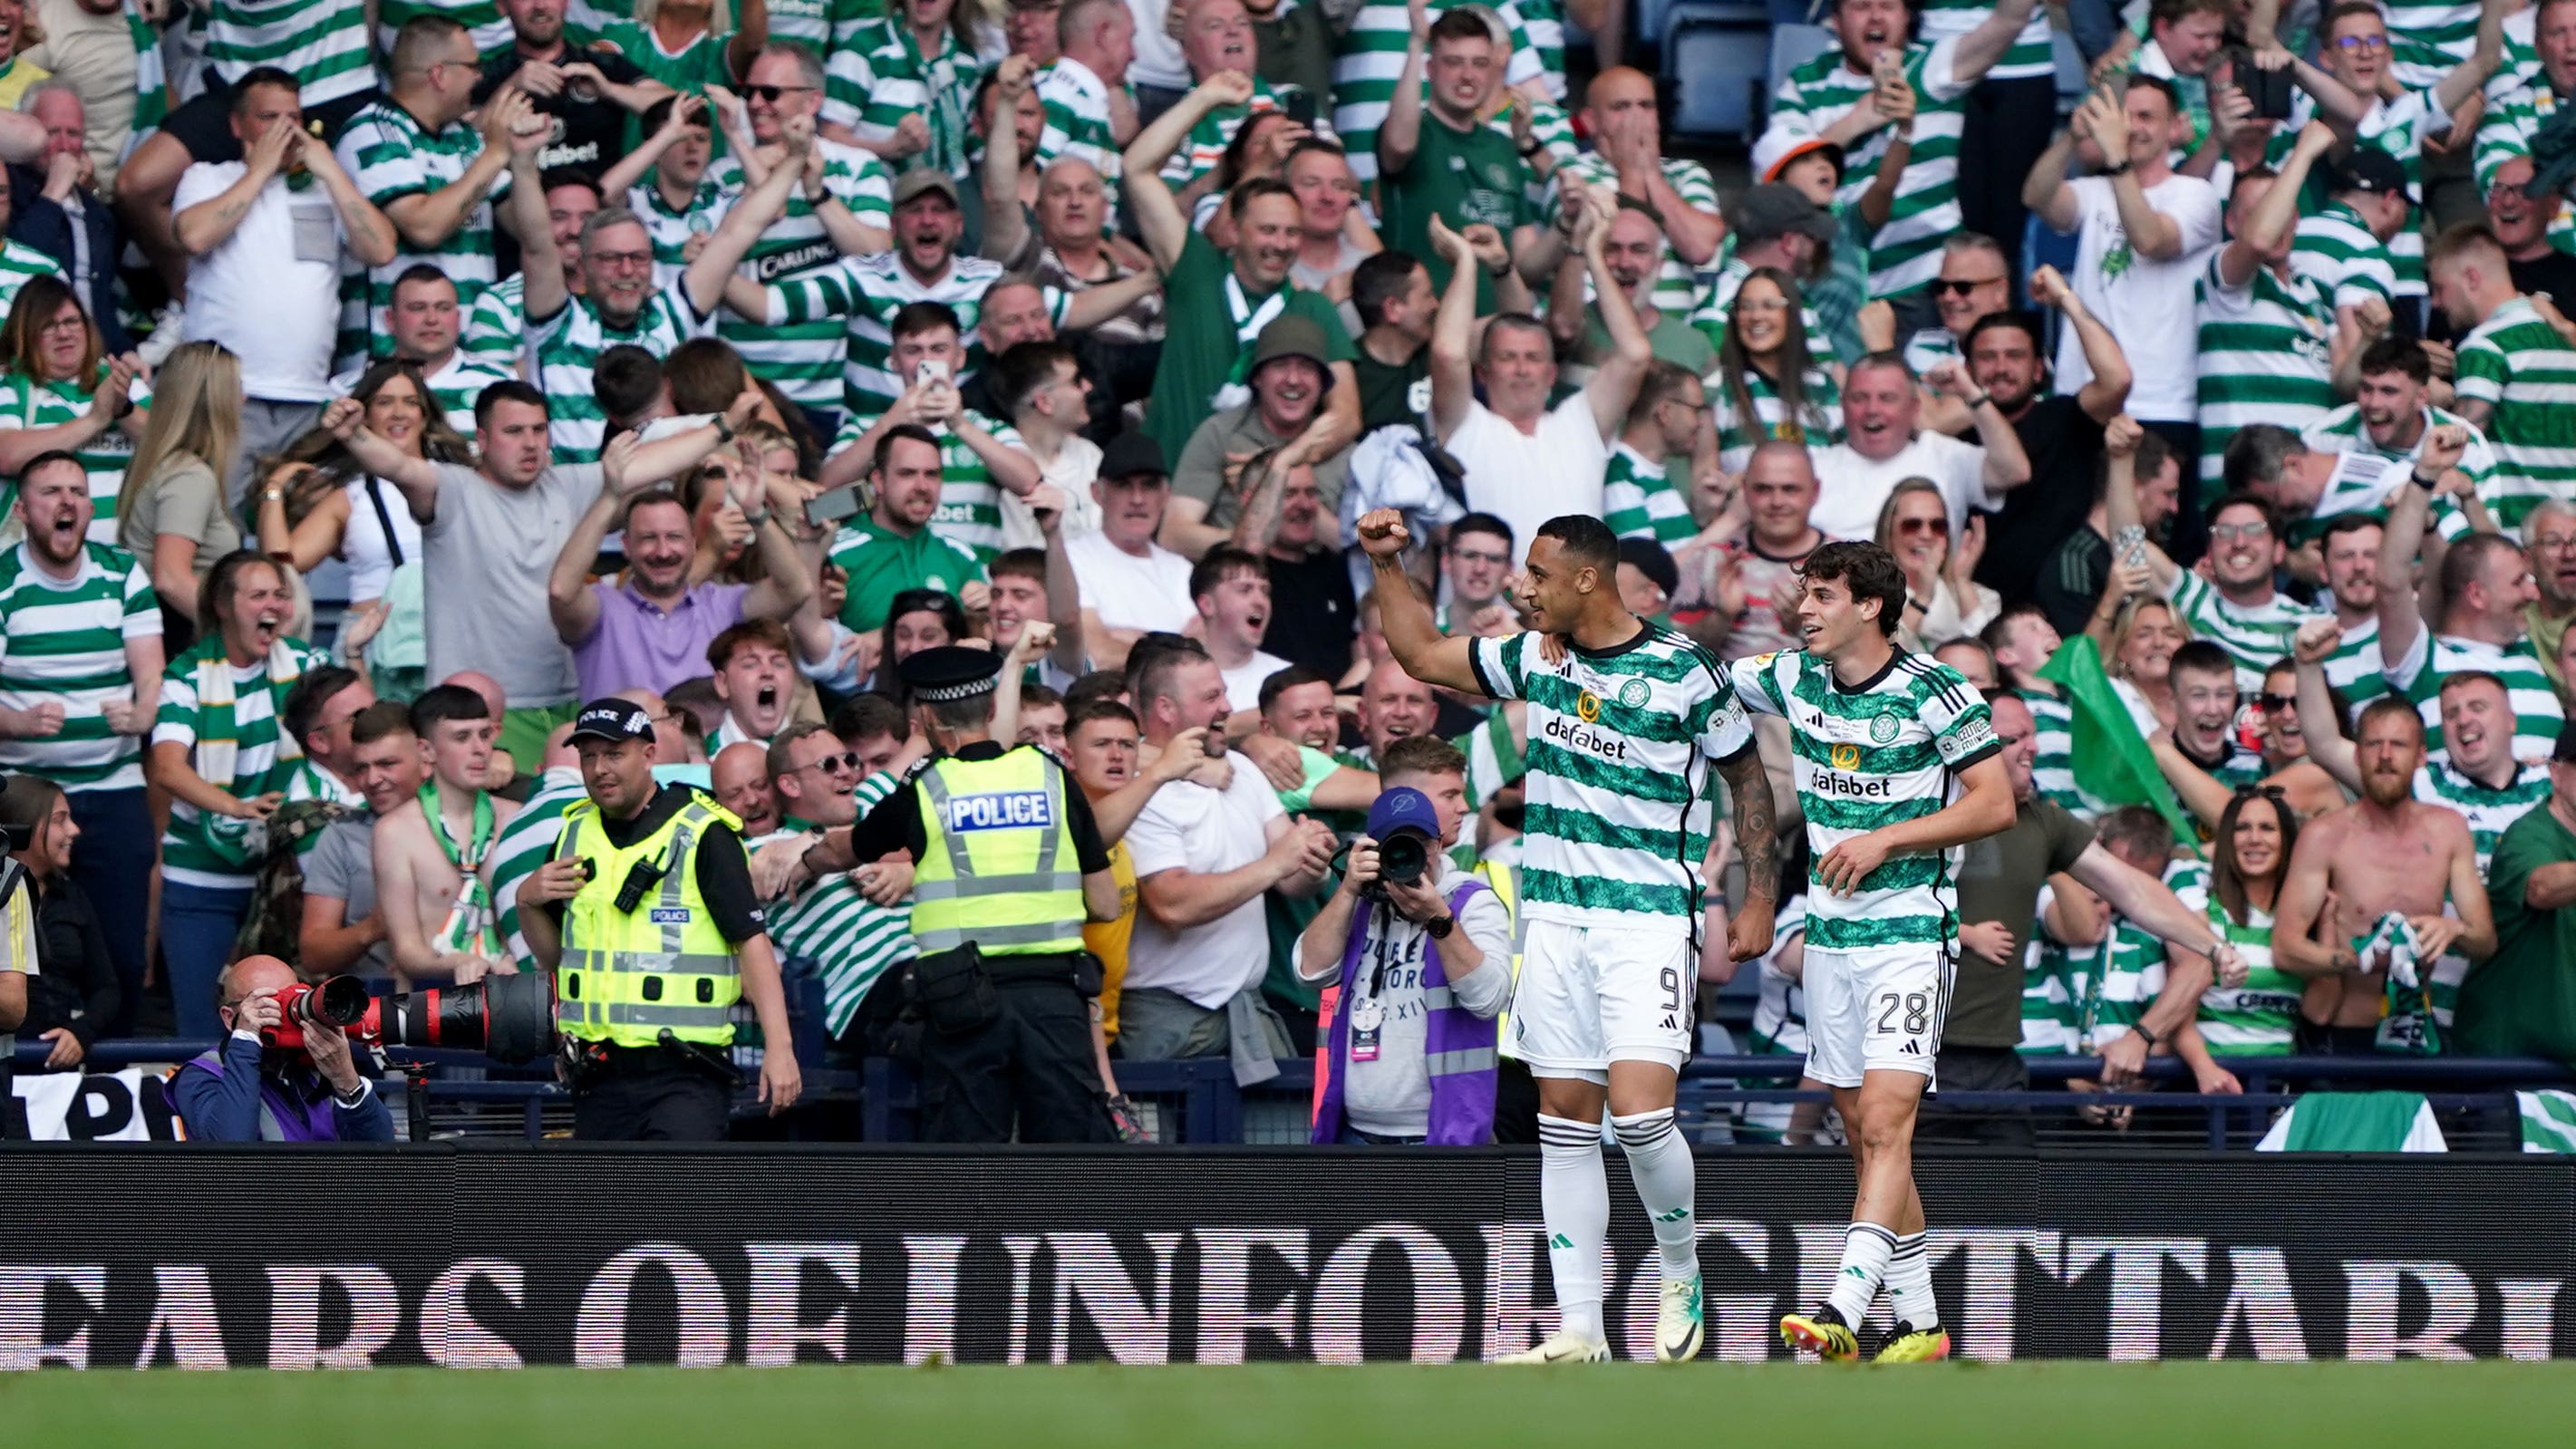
[612,719]
[1400,808]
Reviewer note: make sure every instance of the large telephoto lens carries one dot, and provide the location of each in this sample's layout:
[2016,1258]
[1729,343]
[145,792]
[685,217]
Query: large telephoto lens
[508,1018]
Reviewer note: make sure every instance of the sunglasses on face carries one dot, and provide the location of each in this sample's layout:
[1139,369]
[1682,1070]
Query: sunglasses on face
[2273,702]
[1962,286]
[772,94]
[2361,42]
[2228,532]
[1907,526]
[847,761]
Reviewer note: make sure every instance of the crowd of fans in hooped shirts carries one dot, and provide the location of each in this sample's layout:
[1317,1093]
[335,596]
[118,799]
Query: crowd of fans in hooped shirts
[723,356]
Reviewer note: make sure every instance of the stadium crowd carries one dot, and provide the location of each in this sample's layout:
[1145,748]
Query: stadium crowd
[728,359]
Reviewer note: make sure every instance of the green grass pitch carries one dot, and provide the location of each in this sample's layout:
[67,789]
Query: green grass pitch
[2060,1405]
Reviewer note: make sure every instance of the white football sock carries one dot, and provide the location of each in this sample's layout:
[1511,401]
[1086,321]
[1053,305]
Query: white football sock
[1574,1201]
[1909,1284]
[1866,1249]
[1659,1162]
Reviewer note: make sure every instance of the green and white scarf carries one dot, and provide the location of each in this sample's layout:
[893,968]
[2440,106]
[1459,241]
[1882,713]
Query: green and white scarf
[472,926]
[2406,1020]
[1248,321]
[218,746]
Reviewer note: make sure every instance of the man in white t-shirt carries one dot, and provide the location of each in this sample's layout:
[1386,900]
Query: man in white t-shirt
[1131,585]
[1231,589]
[1206,848]
[265,236]
[1884,443]
[2143,234]
[1525,462]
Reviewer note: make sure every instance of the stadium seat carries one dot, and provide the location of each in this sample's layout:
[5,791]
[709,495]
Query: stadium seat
[2043,247]
[1713,52]
[2070,71]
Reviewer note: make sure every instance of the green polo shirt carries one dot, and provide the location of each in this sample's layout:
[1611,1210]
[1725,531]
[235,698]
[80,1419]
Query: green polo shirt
[882,563]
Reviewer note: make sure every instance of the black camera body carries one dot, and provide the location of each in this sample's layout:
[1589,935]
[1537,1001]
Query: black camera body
[1402,858]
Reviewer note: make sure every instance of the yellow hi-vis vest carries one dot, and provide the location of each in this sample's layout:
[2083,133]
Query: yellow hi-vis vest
[626,976]
[998,864]
[1506,884]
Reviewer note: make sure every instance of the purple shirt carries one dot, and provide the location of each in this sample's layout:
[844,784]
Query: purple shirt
[636,645]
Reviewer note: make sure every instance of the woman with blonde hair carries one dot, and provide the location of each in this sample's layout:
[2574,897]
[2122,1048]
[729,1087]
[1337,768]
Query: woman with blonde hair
[2138,635]
[1942,601]
[172,515]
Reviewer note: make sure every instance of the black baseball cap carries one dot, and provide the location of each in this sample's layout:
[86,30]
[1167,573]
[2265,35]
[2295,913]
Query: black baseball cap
[2373,171]
[613,720]
[1129,454]
[1772,209]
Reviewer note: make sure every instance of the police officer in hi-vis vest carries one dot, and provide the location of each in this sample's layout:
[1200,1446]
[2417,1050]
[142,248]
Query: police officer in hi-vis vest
[1007,867]
[647,915]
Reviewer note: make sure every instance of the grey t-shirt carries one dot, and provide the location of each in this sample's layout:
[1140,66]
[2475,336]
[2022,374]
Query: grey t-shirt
[486,555]
[342,867]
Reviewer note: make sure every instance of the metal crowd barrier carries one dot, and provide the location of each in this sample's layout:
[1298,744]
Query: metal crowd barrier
[1198,1102]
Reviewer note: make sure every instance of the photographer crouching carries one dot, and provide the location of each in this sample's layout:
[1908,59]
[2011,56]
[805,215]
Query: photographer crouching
[1423,954]
[283,1073]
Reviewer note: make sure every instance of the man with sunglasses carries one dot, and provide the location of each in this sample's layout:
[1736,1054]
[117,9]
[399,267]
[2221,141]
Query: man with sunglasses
[855,926]
[843,206]
[1975,283]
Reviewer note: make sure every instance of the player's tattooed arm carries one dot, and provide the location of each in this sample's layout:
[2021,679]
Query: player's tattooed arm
[1757,836]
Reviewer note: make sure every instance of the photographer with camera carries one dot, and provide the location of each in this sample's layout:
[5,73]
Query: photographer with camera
[283,1073]
[1423,954]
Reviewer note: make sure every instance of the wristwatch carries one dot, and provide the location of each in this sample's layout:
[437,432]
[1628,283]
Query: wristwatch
[2427,484]
[2122,169]
[1980,400]
[2152,1042]
[756,519]
[1439,930]
[724,430]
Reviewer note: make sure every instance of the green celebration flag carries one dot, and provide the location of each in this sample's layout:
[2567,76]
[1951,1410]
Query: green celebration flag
[2111,758]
